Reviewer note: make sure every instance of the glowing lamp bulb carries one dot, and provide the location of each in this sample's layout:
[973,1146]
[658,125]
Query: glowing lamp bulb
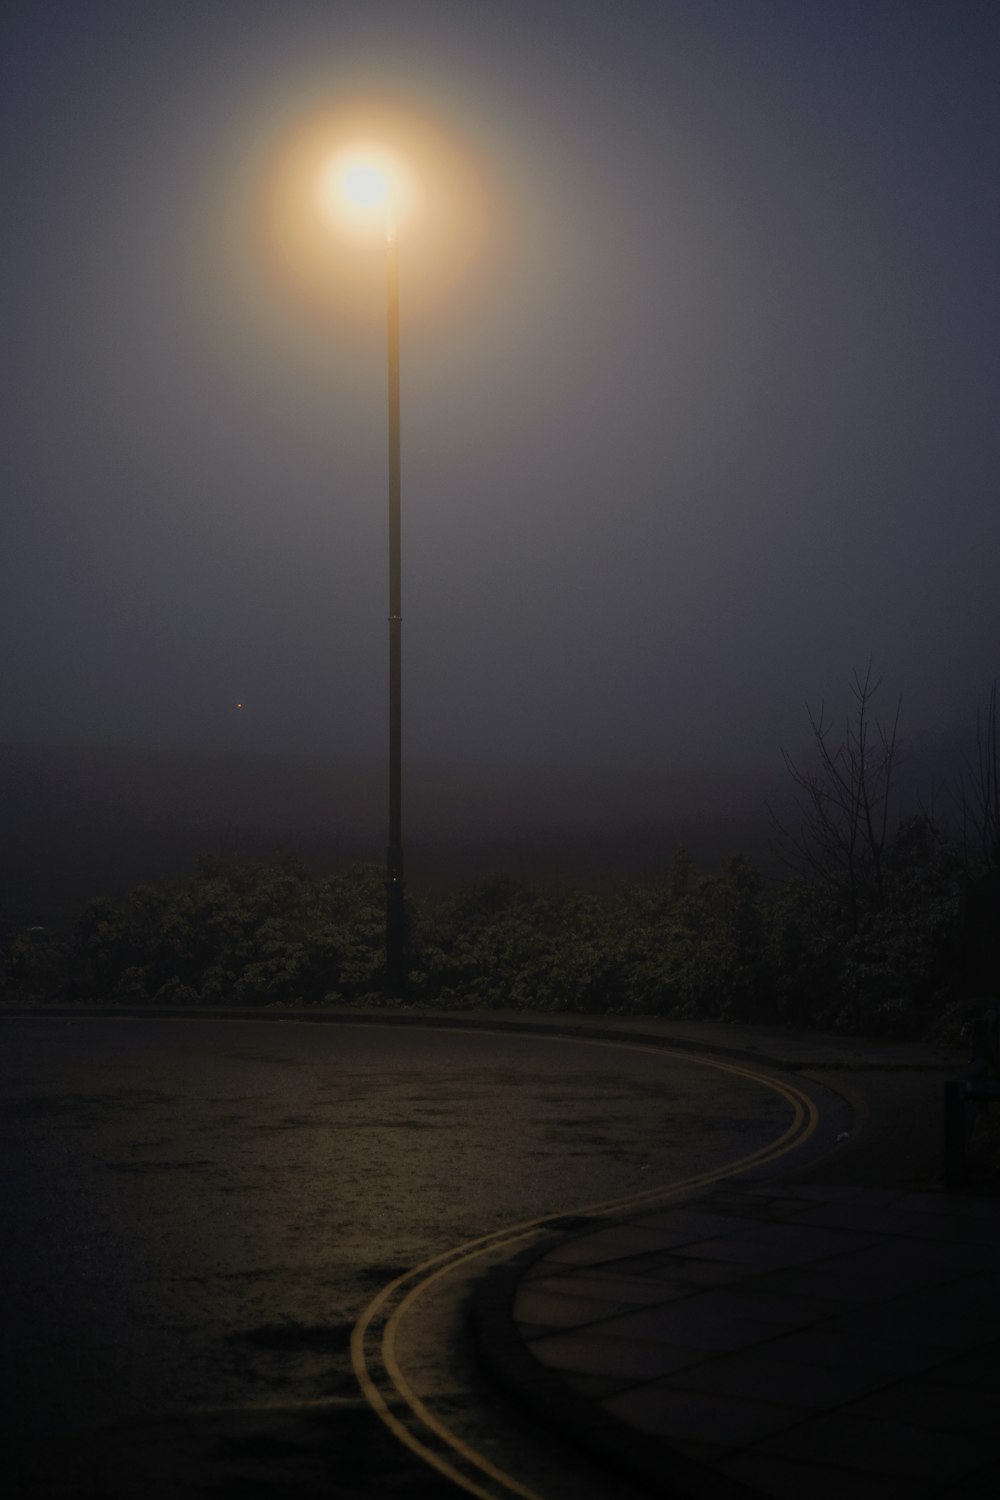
[364,186]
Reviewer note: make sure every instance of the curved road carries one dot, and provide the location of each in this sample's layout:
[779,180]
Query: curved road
[197,1212]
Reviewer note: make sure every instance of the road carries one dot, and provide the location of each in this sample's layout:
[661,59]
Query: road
[198,1211]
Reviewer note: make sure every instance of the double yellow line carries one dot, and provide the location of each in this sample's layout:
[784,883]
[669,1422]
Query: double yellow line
[385,1313]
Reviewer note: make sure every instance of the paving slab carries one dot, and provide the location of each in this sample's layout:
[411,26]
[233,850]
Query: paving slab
[929,1403]
[685,1321]
[685,1270]
[812,1342]
[892,1448]
[701,1416]
[788,1479]
[624,1289]
[777,1245]
[983,1485]
[820,1346]
[610,1245]
[594,1353]
[561,1309]
[748,1300]
[687,1224]
[834,1334]
[751,1373]
[938,1325]
[976,1371]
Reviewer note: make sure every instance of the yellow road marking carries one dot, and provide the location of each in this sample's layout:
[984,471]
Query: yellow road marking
[805,1118]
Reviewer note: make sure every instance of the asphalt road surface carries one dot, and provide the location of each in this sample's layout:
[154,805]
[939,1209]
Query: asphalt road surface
[196,1212]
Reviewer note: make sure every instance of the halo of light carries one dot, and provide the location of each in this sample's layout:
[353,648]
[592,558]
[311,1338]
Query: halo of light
[304,229]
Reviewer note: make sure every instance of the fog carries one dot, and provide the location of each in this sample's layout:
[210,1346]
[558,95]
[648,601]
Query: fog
[699,353]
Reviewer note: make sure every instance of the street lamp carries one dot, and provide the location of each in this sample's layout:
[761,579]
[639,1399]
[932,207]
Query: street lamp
[368,187]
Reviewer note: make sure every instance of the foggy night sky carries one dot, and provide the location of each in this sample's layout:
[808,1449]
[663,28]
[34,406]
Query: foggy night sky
[707,415]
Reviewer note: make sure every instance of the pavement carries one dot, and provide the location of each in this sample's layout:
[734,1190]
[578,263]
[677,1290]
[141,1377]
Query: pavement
[832,1333]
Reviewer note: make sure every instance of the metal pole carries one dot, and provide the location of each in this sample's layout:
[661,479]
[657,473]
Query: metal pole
[395,937]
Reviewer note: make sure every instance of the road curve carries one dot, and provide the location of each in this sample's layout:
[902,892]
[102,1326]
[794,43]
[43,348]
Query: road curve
[205,1208]
[375,1337]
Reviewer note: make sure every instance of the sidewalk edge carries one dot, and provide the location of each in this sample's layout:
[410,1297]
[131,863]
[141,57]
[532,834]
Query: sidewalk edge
[576,1420]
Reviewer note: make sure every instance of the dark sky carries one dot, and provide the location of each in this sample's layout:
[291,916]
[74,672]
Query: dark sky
[701,346]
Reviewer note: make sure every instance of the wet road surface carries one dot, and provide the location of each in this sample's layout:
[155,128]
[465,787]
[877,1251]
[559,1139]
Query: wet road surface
[196,1213]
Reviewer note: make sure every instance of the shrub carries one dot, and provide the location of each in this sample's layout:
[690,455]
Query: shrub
[36,965]
[683,944]
[271,932]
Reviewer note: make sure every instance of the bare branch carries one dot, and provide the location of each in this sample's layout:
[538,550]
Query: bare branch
[845,803]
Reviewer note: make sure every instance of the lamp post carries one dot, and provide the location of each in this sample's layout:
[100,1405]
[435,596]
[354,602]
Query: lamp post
[368,187]
[395,915]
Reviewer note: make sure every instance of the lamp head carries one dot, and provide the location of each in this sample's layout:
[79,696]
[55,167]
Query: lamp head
[364,185]
[365,189]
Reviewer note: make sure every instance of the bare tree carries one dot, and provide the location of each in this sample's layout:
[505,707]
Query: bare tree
[980,790]
[844,801]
